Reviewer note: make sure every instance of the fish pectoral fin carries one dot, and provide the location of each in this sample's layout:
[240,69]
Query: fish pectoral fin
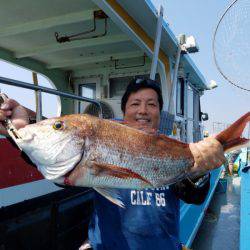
[112,195]
[230,138]
[101,169]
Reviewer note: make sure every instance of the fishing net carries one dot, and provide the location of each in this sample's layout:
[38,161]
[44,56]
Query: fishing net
[231,44]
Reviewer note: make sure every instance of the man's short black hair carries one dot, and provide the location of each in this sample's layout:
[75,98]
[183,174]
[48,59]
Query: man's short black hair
[138,84]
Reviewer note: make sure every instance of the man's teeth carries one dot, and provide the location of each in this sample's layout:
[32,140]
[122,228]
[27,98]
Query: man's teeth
[143,120]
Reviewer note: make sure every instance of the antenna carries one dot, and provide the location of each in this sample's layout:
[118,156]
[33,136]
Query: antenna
[157,44]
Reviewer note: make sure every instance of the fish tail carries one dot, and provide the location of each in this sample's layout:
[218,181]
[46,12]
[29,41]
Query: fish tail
[231,139]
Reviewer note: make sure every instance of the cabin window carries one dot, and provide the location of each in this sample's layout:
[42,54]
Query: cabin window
[117,85]
[87,90]
[180,96]
[51,104]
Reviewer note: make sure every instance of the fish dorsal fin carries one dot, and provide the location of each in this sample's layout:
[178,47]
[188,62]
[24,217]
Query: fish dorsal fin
[112,195]
[230,138]
[172,140]
[101,169]
[144,128]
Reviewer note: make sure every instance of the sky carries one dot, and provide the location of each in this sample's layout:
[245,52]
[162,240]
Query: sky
[199,18]
[24,96]
[223,104]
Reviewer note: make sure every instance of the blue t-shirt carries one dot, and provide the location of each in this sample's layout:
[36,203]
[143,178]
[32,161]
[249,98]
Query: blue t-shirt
[150,220]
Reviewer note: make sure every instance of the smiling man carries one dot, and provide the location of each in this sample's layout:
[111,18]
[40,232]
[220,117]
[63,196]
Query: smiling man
[150,219]
[142,106]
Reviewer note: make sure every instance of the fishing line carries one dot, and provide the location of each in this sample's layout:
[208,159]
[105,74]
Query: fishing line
[231,44]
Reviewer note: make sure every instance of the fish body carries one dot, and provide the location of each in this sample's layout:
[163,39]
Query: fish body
[124,157]
[82,150]
[103,153]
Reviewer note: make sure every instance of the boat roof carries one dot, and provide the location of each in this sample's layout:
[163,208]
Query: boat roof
[27,32]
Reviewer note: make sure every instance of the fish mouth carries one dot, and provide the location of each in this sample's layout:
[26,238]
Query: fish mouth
[13,132]
[21,135]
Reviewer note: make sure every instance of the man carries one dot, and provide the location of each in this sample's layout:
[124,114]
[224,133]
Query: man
[151,217]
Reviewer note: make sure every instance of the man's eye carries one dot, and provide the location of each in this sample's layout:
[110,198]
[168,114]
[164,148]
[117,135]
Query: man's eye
[134,104]
[152,104]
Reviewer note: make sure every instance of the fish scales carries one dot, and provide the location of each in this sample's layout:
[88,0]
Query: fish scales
[133,150]
[104,153]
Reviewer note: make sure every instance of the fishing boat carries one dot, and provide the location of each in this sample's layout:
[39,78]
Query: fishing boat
[90,50]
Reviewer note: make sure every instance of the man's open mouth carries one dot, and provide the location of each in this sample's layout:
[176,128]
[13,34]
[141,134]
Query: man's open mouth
[143,120]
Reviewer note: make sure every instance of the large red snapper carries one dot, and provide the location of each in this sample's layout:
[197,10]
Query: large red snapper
[81,150]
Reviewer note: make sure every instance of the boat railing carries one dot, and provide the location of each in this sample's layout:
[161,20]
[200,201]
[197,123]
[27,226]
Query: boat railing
[40,89]
[245,200]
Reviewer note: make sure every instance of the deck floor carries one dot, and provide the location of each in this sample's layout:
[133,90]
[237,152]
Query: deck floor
[220,228]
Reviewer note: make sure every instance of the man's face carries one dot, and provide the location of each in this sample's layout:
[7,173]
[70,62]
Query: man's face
[143,108]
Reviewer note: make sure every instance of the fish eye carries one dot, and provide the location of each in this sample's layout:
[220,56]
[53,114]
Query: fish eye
[58,125]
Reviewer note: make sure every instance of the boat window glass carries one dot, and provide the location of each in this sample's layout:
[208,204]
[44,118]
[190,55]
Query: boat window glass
[117,85]
[86,90]
[180,96]
[51,105]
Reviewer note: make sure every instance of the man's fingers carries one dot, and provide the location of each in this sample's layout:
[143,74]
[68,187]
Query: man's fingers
[20,117]
[9,104]
[216,150]
[5,114]
[13,110]
[208,154]
[2,118]
[198,157]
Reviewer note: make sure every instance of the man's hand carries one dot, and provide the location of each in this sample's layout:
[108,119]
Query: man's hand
[208,154]
[13,110]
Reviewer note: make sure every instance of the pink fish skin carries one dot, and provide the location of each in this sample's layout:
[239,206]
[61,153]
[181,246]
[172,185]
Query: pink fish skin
[83,150]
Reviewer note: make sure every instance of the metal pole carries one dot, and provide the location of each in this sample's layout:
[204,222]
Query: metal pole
[38,96]
[174,81]
[39,112]
[50,91]
[157,44]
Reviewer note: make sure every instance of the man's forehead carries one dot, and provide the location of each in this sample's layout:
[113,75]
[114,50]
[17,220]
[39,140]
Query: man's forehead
[144,94]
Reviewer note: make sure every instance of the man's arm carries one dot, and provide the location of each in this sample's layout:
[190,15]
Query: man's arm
[208,154]
[192,191]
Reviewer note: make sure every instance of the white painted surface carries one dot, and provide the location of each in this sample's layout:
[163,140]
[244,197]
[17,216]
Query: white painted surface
[19,193]
[190,114]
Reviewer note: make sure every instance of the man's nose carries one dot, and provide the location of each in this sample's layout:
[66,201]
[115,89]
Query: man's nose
[142,109]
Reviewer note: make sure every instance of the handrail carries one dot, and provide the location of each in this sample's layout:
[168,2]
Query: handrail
[25,85]
[244,211]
